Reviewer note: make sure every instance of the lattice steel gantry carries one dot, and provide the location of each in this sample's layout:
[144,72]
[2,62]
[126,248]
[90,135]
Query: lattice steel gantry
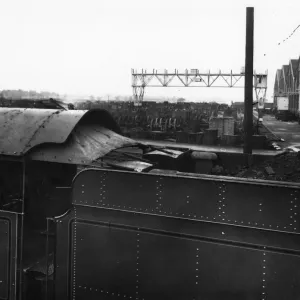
[193,78]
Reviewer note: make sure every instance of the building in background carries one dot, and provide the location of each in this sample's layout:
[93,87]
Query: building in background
[286,89]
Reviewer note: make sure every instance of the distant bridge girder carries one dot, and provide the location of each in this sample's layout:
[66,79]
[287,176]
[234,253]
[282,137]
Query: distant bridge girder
[143,79]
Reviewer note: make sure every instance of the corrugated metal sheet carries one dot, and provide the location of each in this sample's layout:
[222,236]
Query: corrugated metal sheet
[23,129]
[87,144]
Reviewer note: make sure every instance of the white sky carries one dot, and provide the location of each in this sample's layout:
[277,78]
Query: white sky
[90,46]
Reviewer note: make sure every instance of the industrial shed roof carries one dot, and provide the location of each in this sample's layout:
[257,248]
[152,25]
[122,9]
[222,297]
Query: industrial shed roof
[294,65]
[285,69]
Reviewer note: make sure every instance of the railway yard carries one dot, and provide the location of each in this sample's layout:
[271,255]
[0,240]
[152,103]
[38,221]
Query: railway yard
[204,128]
[184,196]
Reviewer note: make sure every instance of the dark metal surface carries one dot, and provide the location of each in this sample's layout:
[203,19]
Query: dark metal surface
[163,237]
[237,202]
[4,258]
[121,254]
[151,266]
[22,129]
[251,238]
[8,255]
[87,144]
[11,185]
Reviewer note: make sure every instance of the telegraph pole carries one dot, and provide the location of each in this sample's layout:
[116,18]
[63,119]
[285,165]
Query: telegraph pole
[248,95]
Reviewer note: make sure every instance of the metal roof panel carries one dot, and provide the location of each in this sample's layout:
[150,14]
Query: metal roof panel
[87,144]
[22,129]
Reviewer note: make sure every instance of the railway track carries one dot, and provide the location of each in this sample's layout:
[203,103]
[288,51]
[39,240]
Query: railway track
[264,130]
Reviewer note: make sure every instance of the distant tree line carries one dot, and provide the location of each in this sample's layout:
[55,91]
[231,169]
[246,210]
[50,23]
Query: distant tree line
[21,94]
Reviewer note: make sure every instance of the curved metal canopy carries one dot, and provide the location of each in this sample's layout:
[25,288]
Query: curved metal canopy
[86,144]
[22,129]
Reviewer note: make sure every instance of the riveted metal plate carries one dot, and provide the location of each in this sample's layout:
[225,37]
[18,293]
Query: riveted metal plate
[4,258]
[256,205]
[119,190]
[112,268]
[8,241]
[274,283]
[180,223]
[106,271]
[190,269]
[262,205]
[131,263]
[22,129]
[167,258]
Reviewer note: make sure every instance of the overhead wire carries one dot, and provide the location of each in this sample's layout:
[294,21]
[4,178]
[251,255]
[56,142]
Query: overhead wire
[288,37]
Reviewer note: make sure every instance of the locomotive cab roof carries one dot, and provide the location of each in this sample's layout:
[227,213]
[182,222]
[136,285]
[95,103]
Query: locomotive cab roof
[64,136]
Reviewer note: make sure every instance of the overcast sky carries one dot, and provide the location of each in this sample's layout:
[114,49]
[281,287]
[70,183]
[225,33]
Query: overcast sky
[90,46]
